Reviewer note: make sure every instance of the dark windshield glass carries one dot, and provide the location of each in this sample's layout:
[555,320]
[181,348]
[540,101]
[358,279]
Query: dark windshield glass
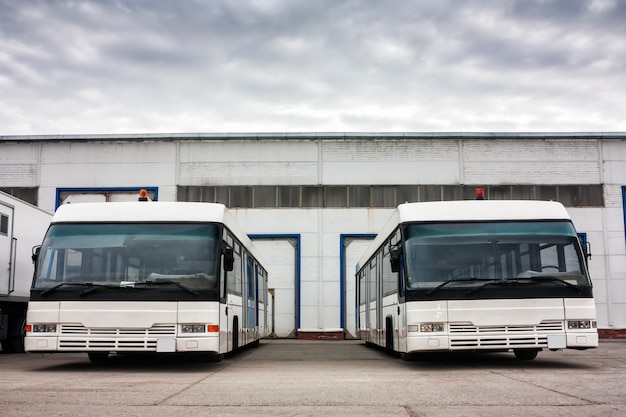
[124,254]
[436,253]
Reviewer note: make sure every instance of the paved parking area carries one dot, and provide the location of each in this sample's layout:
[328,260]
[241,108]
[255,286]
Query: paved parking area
[317,378]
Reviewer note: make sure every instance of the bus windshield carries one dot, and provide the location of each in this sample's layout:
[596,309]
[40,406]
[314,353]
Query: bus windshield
[127,254]
[437,253]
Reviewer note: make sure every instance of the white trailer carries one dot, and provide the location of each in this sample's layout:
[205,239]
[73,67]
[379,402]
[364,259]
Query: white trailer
[22,226]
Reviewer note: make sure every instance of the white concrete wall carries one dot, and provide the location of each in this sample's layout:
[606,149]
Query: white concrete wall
[614,216]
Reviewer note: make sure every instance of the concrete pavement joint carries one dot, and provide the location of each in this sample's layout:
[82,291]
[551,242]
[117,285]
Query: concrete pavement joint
[193,384]
[547,389]
[410,411]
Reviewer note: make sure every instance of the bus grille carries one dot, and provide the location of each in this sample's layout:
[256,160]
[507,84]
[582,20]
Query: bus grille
[468,336]
[80,337]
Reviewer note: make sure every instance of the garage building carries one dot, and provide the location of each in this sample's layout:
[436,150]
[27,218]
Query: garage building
[313,201]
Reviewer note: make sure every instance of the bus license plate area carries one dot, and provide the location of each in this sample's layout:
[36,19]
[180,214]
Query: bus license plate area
[557,341]
[166,345]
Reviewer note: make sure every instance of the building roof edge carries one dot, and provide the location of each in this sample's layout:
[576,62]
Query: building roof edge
[311,136]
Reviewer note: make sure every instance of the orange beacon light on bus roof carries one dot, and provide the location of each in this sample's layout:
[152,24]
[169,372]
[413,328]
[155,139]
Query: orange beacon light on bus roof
[143,195]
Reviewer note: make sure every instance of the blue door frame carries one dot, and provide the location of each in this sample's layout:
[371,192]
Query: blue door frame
[342,273]
[297,238]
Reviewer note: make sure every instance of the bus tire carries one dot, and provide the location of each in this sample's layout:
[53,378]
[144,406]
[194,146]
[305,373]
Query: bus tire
[212,357]
[13,345]
[98,357]
[416,356]
[525,354]
[14,342]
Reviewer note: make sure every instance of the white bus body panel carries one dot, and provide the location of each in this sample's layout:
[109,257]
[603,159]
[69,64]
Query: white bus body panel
[149,326]
[501,324]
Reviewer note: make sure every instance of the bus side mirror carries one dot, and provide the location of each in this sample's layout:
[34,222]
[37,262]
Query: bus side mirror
[585,245]
[35,255]
[229,259]
[394,259]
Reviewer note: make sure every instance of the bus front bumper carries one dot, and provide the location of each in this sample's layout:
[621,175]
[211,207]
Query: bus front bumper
[433,342]
[159,345]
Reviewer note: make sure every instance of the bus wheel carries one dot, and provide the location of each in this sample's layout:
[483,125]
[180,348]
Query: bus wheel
[13,345]
[14,342]
[416,356]
[212,357]
[98,357]
[525,354]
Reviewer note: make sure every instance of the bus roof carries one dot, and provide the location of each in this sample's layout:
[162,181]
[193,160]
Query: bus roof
[153,211]
[145,211]
[482,210]
[466,210]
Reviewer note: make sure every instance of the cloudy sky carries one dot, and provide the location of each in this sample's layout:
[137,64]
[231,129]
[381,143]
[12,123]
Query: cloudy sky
[165,66]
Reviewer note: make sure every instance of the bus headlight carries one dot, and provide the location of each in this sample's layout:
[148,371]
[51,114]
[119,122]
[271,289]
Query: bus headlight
[582,324]
[199,328]
[431,327]
[426,327]
[44,328]
[193,328]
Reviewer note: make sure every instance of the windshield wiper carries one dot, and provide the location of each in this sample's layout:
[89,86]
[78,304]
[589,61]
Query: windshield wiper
[517,281]
[443,284]
[62,284]
[553,278]
[96,287]
[493,282]
[169,282]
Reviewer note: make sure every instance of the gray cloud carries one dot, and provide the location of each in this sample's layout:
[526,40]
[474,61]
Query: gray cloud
[163,66]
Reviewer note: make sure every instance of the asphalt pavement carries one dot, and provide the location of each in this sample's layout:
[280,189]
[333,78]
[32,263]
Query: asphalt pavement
[317,378]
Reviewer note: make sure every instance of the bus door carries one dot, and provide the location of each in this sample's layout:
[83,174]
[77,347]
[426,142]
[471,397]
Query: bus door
[249,298]
[7,250]
[234,299]
[372,315]
[380,320]
[257,284]
[402,323]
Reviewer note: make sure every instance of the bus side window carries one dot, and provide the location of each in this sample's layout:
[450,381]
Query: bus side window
[229,259]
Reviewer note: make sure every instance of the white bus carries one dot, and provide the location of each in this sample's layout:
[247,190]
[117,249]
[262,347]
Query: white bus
[146,277]
[476,276]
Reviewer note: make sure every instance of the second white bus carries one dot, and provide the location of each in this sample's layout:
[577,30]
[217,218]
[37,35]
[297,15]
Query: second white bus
[146,277]
[476,276]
